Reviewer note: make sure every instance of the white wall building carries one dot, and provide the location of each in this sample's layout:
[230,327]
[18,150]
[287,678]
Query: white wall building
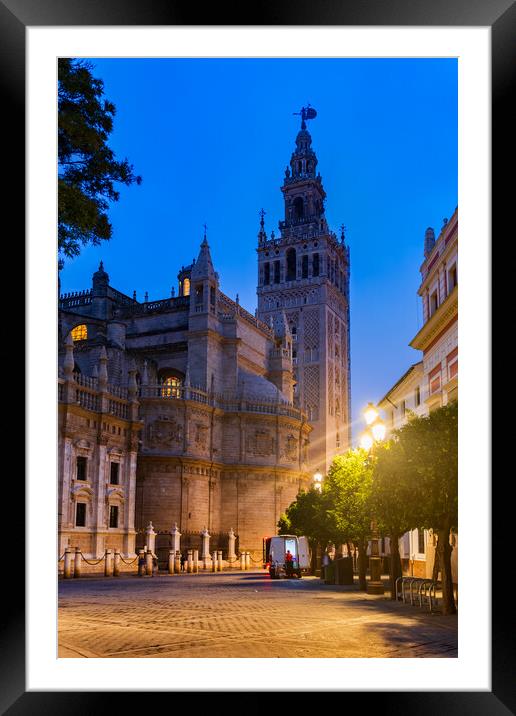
[433,381]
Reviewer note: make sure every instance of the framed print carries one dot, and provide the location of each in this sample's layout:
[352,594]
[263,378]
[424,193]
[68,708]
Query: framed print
[415,90]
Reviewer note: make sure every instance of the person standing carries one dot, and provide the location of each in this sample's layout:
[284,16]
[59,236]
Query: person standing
[288,563]
[183,560]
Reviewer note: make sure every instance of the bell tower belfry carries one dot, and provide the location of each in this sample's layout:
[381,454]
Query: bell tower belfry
[304,272]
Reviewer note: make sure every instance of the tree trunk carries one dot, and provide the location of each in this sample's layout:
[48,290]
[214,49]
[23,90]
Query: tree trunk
[395,566]
[362,565]
[445,550]
[437,566]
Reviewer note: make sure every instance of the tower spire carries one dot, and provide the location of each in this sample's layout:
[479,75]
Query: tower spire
[262,235]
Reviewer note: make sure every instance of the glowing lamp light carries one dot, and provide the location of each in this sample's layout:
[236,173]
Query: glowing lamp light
[318,481]
[366,441]
[378,430]
[370,414]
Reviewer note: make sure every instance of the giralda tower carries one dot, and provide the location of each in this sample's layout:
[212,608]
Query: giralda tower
[304,272]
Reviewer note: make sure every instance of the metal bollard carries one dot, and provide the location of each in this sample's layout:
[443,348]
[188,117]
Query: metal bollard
[141,563]
[214,562]
[148,564]
[196,561]
[77,564]
[108,564]
[67,568]
[177,562]
[171,558]
[242,561]
[219,561]
[116,563]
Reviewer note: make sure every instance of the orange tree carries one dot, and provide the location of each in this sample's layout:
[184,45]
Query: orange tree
[395,499]
[421,475]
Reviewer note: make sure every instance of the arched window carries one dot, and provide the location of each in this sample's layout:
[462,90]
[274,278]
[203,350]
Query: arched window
[299,207]
[291,265]
[186,287]
[171,387]
[80,333]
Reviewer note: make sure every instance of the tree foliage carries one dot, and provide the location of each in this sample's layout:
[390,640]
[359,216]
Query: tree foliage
[416,483]
[87,168]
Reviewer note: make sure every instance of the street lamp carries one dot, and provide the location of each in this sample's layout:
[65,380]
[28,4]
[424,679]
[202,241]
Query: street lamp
[318,481]
[374,433]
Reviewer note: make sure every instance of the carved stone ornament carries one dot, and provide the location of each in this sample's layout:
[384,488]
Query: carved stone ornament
[164,433]
[201,435]
[290,451]
[261,443]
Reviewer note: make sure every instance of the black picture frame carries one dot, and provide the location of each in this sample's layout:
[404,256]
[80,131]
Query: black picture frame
[500,16]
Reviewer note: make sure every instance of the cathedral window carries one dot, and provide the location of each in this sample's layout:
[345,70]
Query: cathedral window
[212,295]
[304,267]
[291,265]
[82,464]
[266,274]
[115,467]
[80,514]
[113,515]
[80,333]
[276,272]
[186,287]
[315,265]
[171,387]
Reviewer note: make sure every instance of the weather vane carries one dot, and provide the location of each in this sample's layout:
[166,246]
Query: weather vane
[307,112]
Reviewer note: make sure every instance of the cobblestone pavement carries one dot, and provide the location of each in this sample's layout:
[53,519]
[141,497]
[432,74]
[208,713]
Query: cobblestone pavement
[242,614]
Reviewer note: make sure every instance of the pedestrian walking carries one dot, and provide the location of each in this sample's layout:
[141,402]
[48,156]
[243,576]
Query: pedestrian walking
[183,560]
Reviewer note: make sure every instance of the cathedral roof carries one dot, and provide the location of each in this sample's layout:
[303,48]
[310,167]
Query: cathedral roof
[256,387]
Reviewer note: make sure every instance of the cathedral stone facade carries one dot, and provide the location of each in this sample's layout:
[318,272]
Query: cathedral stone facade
[192,411]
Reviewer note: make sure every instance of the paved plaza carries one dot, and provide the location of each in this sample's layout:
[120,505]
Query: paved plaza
[242,614]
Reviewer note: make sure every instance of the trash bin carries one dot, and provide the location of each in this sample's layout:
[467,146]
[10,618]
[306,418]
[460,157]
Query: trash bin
[329,573]
[344,567]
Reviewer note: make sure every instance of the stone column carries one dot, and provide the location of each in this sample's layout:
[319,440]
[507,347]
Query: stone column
[171,560]
[116,563]
[231,548]
[151,538]
[176,538]
[205,555]
[189,563]
[177,562]
[67,569]
[242,561]
[108,564]
[214,562]
[77,565]
[248,560]
[196,560]
[219,561]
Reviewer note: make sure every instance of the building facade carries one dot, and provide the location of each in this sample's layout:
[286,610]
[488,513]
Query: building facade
[192,411]
[433,381]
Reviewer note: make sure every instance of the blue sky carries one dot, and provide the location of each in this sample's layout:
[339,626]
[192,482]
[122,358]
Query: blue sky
[211,139]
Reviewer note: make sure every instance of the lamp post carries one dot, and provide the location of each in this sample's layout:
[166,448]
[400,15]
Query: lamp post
[374,433]
[318,481]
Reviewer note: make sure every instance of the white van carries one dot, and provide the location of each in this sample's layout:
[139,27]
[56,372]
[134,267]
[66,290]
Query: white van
[274,550]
